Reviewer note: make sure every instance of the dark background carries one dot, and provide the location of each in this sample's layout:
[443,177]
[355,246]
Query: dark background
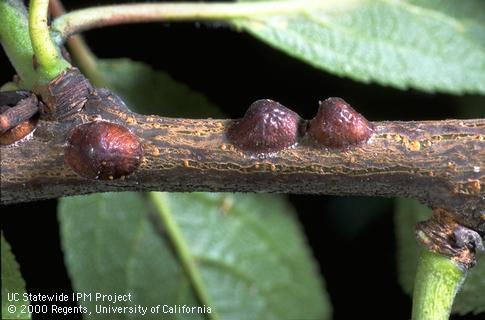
[352,238]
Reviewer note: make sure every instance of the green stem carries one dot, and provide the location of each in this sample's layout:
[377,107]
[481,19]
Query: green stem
[49,59]
[182,249]
[95,17]
[438,279]
[81,54]
[15,40]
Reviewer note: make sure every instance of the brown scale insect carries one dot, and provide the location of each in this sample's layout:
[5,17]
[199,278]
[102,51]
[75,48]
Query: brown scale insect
[103,150]
[266,127]
[19,132]
[18,115]
[338,125]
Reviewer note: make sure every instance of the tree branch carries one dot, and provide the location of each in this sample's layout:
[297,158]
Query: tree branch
[440,163]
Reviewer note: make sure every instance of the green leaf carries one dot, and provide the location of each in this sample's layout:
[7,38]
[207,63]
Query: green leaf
[427,45]
[12,284]
[153,92]
[247,249]
[468,12]
[111,246]
[408,213]
[471,298]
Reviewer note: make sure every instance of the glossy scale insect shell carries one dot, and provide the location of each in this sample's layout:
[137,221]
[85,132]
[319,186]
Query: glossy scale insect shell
[103,150]
[338,125]
[19,132]
[266,127]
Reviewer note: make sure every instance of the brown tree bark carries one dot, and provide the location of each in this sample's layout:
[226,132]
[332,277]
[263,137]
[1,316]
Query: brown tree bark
[440,163]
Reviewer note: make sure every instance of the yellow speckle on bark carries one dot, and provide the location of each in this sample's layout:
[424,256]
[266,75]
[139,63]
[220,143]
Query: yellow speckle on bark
[131,120]
[474,186]
[414,146]
[155,152]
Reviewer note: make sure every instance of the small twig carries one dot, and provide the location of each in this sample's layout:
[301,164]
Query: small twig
[84,19]
[49,60]
[19,113]
[443,234]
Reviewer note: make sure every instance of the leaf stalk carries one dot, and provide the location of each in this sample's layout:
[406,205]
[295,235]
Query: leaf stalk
[438,279]
[48,59]
[15,40]
[95,17]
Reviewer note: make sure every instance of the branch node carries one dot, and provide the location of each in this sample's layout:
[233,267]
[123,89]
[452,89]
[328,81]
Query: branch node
[444,235]
[65,95]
